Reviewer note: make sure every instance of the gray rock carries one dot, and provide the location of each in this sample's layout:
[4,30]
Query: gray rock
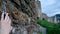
[22,14]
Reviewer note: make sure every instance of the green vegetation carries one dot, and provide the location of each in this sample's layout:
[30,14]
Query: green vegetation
[40,32]
[47,24]
[52,28]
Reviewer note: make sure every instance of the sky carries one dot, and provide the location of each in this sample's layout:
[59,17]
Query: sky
[50,7]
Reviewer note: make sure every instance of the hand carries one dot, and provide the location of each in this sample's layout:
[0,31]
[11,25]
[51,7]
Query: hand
[5,24]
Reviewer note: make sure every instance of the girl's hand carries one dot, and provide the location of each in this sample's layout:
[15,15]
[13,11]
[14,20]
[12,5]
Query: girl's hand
[5,24]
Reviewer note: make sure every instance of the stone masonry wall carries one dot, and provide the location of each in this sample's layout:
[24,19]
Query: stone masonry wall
[22,14]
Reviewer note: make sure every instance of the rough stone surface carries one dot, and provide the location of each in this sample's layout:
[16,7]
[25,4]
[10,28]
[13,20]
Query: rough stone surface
[22,14]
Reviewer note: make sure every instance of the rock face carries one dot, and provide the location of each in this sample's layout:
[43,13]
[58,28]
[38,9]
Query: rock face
[22,14]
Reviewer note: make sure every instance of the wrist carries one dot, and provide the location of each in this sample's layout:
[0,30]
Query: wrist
[4,31]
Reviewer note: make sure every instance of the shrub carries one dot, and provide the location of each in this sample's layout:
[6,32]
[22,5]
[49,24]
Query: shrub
[52,28]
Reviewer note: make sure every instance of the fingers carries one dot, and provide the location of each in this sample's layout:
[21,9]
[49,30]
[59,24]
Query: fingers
[2,16]
[9,20]
[6,17]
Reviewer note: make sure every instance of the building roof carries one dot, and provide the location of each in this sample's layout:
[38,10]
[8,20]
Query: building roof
[57,15]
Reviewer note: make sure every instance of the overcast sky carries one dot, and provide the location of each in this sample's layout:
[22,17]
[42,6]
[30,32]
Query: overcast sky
[50,7]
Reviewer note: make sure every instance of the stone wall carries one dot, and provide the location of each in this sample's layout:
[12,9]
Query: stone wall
[23,15]
[38,9]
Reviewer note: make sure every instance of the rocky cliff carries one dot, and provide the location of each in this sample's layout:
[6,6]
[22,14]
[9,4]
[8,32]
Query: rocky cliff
[23,15]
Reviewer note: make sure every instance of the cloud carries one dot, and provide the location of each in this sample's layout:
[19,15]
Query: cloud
[50,7]
[57,11]
[47,2]
[53,12]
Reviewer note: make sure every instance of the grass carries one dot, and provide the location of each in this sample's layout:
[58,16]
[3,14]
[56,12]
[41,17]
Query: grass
[52,28]
[47,24]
